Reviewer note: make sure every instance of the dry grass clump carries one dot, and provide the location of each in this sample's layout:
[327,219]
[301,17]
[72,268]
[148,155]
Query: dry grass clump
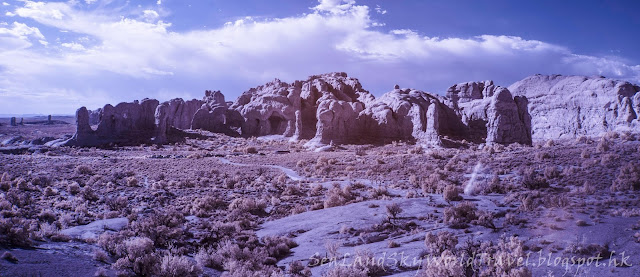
[460,215]
[628,178]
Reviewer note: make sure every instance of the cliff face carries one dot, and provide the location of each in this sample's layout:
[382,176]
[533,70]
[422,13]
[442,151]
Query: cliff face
[334,108]
[572,106]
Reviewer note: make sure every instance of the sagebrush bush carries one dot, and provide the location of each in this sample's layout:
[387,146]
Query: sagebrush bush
[178,266]
[531,179]
[438,243]
[451,193]
[138,257]
[337,196]
[460,215]
[628,178]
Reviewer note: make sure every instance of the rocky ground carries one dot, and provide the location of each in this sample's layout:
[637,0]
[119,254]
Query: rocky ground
[258,207]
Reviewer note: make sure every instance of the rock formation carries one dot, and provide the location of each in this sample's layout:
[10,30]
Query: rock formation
[334,109]
[490,113]
[323,108]
[215,116]
[571,106]
[13,122]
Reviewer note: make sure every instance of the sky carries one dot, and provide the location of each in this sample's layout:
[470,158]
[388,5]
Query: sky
[57,56]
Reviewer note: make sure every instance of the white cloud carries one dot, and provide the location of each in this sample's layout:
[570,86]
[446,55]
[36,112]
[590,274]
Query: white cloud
[10,14]
[89,2]
[73,46]
[380,10]
[159,2]
[122,58]
[150,15]
[5,4]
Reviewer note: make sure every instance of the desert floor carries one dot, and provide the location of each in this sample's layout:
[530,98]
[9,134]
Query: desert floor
[268,206]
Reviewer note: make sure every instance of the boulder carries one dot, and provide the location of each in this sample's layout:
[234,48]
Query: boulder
[565,107]
[13,122]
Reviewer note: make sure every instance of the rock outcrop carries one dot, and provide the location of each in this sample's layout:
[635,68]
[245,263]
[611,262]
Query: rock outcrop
[490,113]
[404,114]
[215,116]
[571,106]
[323,108]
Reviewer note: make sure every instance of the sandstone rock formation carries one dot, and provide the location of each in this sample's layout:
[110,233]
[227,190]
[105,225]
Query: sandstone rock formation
[322,108]
[490,113]
[215,116]
[404,114]
[571,106]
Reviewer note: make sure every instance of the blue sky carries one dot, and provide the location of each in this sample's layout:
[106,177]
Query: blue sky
[56,56]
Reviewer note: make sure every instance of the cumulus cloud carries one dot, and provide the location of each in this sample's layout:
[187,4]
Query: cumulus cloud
[132,58]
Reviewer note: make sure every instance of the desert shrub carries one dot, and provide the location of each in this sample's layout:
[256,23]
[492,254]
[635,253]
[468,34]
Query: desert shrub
[438,243]
[89,194]
[162,227]
[73,188]
[18,198]
[178,266]
[14,232]
[7,256]
[556,201]
[585,154]
[531,179]
[332,248]
[540,156]
[48,191]
[494,185]
[41,181]
[445,264]
[132,181]
[248,205]
[587,188]
[138,257]
[297,269]
[628,178]
[603,145]
[609,160]
[337,196]
[364,261]
[551,172]
[460,215]
[101,256]
[345,271]
[202,206]
[250,150]
[117,203]
[435,183]
[84,170]
[277,246]
[510,250]
[485,219]
[451,193]
[393,210]
[207,257]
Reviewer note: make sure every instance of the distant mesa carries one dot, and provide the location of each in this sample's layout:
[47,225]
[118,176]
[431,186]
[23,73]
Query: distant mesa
[334,108]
